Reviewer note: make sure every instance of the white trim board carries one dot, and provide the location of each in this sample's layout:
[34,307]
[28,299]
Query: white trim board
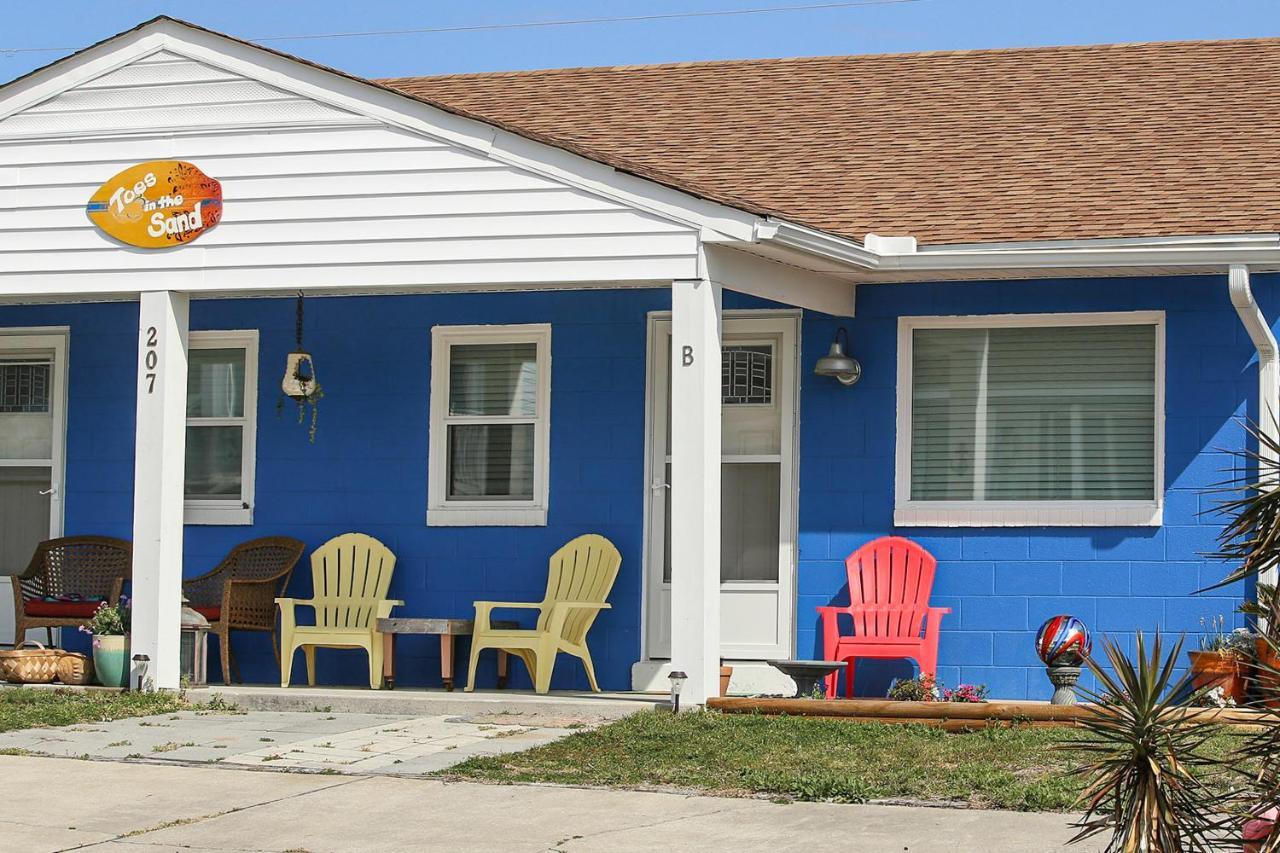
[1064,513]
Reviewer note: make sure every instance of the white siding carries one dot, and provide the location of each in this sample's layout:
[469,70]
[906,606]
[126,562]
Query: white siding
[315,196]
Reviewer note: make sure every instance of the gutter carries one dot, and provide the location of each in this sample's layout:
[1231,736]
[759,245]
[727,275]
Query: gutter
[903,254]
[1264,340]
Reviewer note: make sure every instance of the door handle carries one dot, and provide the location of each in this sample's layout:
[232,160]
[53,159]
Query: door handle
[658,486]
[49,491]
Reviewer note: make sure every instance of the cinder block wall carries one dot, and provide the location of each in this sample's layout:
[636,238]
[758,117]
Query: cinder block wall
[1002,583]
[367,470]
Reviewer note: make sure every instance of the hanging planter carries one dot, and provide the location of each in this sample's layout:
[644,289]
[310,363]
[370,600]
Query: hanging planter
[299,383]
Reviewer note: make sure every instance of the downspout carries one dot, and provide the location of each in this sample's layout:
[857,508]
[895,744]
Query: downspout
[1268,366]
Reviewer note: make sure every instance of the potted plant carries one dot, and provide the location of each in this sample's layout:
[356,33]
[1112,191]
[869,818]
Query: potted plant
[1266,643]
[109,627]
[1218,662]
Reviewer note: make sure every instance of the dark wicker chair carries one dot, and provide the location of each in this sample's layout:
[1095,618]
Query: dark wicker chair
[240,593]
[87,567]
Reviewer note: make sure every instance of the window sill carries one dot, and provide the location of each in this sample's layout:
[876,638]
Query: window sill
[230,515]
[1029,514]
[487,517]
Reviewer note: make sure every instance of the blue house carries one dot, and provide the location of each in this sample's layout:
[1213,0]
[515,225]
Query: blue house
[549,303]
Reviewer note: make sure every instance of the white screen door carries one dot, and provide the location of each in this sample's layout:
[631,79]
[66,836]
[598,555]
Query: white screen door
[32,418]
[757,539]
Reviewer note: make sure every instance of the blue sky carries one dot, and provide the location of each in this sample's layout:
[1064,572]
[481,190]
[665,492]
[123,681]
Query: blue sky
[902,26]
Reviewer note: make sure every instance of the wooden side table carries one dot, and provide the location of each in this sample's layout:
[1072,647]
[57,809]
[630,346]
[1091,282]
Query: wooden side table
[447,629]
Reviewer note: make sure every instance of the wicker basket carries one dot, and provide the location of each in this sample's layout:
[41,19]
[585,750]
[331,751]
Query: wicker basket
[75,668]
[29,666]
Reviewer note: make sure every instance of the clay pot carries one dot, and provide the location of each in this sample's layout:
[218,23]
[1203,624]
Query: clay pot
[1212,669]
[1268,685]
[726,672]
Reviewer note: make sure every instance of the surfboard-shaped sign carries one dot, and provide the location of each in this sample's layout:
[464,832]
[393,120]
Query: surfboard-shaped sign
[157,205]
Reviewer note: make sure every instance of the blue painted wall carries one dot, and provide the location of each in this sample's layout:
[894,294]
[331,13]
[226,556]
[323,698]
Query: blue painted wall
[367,469]
[1002,583]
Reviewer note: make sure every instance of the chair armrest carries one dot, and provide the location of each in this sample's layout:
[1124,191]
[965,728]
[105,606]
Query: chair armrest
[933,623]
[485,608]
[287,618]
[385,607]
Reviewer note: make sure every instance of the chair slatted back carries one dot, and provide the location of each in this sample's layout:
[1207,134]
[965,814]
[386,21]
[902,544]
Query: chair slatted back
[891,578]
[351,574]
[584,570]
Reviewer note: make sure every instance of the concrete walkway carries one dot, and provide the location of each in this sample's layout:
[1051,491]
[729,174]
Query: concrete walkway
[108,806]
[338,742]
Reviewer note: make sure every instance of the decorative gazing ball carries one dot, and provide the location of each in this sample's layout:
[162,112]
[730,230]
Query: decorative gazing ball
[1063,641]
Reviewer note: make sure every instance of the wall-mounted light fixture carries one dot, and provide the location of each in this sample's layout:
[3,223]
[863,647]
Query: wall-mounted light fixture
[845,369]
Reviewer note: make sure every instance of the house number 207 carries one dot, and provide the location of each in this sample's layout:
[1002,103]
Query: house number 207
[151,358]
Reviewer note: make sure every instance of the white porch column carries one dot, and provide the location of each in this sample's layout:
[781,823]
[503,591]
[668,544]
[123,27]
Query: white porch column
[159,462]
[695,487]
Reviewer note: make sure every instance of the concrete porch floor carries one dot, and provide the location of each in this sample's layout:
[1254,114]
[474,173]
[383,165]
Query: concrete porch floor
[420,702]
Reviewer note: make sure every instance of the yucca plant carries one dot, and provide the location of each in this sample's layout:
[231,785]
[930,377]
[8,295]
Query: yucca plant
[1255,759]
[1250,538]
[1146,761]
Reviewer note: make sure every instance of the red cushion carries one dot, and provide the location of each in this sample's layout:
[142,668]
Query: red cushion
[213,614]
[60,609]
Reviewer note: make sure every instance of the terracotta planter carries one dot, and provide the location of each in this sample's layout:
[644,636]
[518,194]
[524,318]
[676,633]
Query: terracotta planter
[726,672]
[1211,669]
[1268,685]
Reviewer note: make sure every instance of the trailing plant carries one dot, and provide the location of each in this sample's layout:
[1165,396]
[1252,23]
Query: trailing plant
[313,400]
[300,383]
[1146,761]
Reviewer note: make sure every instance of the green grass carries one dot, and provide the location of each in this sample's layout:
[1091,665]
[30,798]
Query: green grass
[24,708]
[804,759]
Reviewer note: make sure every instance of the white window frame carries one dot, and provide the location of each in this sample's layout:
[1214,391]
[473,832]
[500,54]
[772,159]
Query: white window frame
[441,510]
[1062,513]
[226,511]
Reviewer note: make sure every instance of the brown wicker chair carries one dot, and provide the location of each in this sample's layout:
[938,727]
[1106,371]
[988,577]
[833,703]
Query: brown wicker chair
[240,593]
[84,566]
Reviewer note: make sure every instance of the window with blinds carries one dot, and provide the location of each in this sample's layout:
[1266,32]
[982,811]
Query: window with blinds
[489,424]
[1025,413]
[493,408]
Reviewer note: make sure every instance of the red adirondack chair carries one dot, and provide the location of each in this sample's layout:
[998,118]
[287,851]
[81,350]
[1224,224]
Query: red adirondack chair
[889,583]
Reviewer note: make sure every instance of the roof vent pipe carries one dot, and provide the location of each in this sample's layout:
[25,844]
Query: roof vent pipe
[1268,363]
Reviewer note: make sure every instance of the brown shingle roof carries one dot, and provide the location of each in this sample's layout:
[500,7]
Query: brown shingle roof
[992,145]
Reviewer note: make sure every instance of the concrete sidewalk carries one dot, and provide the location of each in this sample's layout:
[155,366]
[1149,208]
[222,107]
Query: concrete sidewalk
[360,744]
[111,806]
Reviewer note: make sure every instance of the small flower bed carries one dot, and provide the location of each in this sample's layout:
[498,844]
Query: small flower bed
[926,688]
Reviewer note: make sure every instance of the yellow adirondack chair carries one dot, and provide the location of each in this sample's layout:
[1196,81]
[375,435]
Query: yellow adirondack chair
[350,576]
[579,578]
